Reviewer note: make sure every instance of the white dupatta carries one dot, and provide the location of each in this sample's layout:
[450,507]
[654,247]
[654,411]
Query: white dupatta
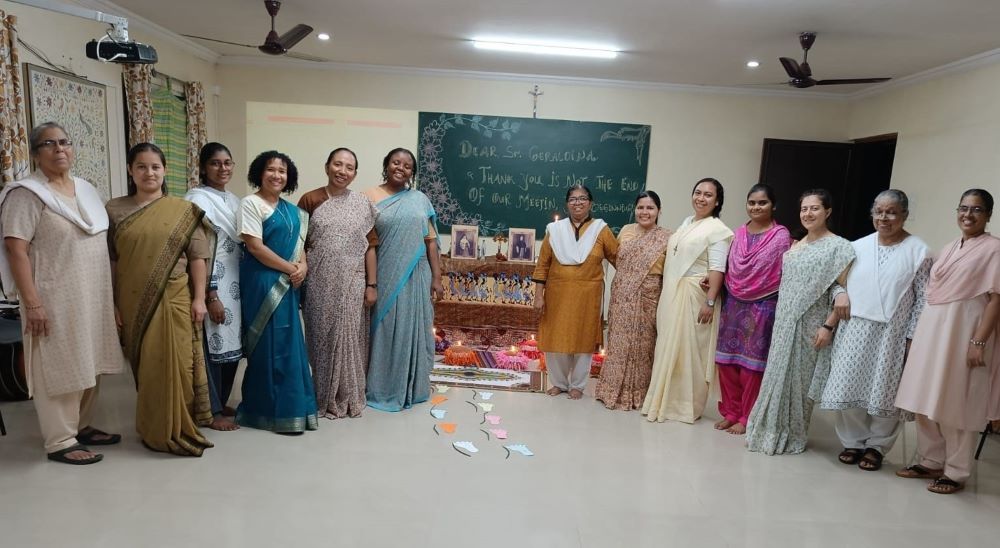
[220,207]
[875,291]
[567,249]
[92,218]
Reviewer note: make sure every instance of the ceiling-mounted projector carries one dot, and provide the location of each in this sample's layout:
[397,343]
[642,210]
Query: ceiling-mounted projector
[121,52]
[114,46]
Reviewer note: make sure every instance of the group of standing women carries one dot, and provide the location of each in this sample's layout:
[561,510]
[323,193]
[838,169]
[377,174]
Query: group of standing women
[193,286]
[819,320]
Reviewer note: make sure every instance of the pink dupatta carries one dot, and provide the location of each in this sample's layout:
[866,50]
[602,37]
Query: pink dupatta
[965,271]
[754,272]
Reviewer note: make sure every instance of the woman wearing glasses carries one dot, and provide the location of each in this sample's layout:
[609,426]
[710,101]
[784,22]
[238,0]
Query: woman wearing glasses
[687,318]
[570,290]
[223,346]
[878,310]
[954,356]
[56,262]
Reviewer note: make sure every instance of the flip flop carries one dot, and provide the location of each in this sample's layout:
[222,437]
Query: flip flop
[60,456]
[919,472]
[88,436]
[945,486]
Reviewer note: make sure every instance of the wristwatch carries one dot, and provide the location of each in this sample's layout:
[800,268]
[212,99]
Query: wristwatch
[710,303]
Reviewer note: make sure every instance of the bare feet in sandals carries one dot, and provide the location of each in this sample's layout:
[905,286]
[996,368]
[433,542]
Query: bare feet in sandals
[737,429]
[575,394]
[554,391]
[723,424]
[223,424]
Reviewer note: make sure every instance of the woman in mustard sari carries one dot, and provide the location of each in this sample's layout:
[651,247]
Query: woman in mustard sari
[159,248]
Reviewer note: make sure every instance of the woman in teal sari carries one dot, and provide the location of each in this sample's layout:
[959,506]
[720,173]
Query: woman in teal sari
[409,276]
[278,392]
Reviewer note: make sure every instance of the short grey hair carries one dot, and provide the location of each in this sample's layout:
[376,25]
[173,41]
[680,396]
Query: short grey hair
[895,195]
[35,137]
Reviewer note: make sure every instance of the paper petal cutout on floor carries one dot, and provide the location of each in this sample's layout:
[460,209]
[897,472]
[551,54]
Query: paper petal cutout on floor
[436,399]
[485,395]
[520,448]
[485,406]
[439,413]
[441,389]
[493,419]
[500,433]
[466,446]
[448,427]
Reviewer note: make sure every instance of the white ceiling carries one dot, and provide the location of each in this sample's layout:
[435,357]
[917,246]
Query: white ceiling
[697,42]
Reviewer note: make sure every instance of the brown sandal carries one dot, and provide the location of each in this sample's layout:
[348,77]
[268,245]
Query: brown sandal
[871,461]
[945,486]
[850,456]
[919,472]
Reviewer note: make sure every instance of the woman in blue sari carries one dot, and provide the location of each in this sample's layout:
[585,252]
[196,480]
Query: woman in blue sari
[409,276]
[278,392]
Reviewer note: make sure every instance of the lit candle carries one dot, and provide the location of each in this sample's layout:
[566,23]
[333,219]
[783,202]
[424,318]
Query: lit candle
[532,336]
[602,351]
[459,343]
[513,351]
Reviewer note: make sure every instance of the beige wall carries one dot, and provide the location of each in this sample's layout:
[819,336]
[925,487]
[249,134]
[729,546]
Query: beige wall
[62,39]
[949,141]
[694,134]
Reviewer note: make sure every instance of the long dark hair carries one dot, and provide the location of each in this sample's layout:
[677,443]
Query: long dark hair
[130,159]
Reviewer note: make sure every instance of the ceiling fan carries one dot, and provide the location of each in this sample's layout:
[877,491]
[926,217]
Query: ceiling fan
[274,44]
[801,74]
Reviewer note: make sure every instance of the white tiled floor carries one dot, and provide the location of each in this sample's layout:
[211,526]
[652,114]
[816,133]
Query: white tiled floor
[598,479]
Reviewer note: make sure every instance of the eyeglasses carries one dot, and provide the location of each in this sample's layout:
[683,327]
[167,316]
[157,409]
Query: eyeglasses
[216,164]
[887,215]
[975,210]
[51,143]
[577,199]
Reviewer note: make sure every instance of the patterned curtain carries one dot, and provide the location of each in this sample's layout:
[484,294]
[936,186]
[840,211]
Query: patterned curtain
[14,163]
[197,133]
[170,127]
[138,81]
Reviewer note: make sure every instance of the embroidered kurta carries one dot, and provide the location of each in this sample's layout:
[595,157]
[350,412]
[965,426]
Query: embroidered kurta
[571,321]
[867,359]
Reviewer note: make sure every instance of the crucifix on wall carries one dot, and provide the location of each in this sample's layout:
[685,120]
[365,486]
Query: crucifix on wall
[535,93]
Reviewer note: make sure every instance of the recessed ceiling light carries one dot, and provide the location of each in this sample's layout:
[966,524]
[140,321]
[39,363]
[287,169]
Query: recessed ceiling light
[539,49]
[753,63]
[323,36]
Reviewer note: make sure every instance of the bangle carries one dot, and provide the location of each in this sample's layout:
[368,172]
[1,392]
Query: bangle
[973,342]
[828,327]
[372,285]
[37,306]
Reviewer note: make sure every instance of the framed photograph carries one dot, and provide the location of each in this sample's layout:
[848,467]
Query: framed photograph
[80,106]
[464,241]
[521,242]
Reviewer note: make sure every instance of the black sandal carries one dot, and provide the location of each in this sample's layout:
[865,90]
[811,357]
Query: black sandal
[871,461]
[60,456]
[850,456]
[92,436]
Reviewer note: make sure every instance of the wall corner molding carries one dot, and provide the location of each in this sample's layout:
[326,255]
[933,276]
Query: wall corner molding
[967,64]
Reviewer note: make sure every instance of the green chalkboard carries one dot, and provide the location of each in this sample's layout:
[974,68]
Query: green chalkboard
[499,172]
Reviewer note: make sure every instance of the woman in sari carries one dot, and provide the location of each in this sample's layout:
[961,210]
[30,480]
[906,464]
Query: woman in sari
[160,247]
[635,291]
[342,286]
[56,264]
[799,358]
[278,392]
[752,278]
[409,276]
[954,356]
[223,340]
[569,291]
[878,313]
[686,317]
